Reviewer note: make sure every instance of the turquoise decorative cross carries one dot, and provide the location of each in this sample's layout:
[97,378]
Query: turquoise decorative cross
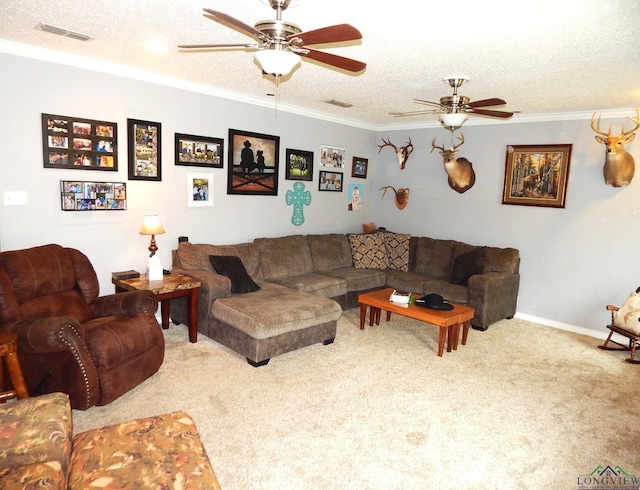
[298,197]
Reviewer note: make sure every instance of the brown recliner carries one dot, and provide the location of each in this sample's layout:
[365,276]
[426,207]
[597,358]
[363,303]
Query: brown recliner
[70,339]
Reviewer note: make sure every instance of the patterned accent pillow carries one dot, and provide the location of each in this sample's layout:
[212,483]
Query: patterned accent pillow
[368,251]
[397,245]
[628,314]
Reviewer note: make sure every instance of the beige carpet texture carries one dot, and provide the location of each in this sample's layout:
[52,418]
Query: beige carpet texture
[521,406]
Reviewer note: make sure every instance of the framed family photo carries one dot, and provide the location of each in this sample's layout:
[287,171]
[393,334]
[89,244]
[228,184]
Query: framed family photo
[253,163]
[199,189]
[144,150]
[359,167]
[299,165]
[330,181]
[537,175]
[332,156]
[199,151]
[76,195]
[78,143]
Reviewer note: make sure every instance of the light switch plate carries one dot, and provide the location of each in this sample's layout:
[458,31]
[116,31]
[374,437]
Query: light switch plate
[15,198]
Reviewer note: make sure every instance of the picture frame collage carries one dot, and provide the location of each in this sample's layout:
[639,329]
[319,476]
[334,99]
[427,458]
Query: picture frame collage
[253,161]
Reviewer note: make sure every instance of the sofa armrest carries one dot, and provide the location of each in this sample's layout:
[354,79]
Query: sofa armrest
[126,303]
[213,286]
[493,296]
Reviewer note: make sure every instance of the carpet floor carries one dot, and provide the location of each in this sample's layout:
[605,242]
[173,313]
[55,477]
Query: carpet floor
[520,406]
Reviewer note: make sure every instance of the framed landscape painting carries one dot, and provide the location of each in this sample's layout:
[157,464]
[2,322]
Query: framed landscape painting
[537,175]
[253,163]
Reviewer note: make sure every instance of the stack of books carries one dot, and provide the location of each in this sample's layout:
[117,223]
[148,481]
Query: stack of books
[118,276]
[401,298]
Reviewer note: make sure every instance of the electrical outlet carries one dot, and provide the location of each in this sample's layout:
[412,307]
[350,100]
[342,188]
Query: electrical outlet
[15,198]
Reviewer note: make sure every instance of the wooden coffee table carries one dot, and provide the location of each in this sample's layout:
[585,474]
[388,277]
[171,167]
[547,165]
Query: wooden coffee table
[449,321]
[171,286]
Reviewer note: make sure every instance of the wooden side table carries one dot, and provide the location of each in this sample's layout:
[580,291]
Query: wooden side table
[172,286]
[9,354]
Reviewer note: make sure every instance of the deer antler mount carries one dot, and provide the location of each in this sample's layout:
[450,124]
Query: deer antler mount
[402,153]
[401,196]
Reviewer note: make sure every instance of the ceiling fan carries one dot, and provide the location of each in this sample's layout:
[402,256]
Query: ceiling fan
[454,108]
[280,44]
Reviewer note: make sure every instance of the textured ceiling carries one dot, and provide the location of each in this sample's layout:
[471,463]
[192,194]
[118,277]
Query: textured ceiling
[542,57]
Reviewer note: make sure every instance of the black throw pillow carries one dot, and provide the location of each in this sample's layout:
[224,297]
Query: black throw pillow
[232,267]
[466,265]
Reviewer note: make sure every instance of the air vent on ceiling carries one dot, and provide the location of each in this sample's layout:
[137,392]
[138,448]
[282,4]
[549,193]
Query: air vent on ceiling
[60,31]
[339,103]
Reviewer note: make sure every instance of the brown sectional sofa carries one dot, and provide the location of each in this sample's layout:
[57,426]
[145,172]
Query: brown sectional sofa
[306,280]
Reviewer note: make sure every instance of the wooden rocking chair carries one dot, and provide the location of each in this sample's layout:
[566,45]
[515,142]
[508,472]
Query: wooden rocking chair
[620,326]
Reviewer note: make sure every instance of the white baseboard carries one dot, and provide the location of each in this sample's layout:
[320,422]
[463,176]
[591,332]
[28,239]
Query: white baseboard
[564,326]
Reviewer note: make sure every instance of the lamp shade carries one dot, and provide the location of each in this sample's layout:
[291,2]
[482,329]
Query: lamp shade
[276,61]
[453,120]
[151,225]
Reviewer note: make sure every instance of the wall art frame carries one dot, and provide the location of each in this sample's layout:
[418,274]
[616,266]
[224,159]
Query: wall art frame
[253,163]
[537,175]
[79,143]
[78,195]
[299,165]
[199,151]
[199,189]
[145,150]
[330,181]
[332,156]
[359,167]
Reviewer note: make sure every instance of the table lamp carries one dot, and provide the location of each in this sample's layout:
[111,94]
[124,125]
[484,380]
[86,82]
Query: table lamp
[151,226]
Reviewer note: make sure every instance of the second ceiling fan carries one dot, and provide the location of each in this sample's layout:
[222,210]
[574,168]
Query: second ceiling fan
[454,108]
[280,44]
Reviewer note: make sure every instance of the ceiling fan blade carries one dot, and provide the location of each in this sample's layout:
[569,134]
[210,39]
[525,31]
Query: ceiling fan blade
[486,112]
[335,60]
[486,103]
[212,46]
[251,31]
[420,101]
[414,113]
[332,34]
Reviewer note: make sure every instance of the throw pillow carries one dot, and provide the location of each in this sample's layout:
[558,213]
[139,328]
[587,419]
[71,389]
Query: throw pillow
[232,267]
[628,314]
[397,245]
[368,251]
[466,265]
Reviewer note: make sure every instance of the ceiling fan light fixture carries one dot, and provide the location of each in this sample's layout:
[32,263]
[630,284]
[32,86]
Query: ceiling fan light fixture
[453,120]
[276,62]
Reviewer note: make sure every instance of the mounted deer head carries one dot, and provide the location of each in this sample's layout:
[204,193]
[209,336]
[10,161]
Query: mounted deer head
[460,170]
[402,153]
[619,165]
[401,196]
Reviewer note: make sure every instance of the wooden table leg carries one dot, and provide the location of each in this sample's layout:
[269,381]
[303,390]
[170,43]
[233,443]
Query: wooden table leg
[388,315]
[165,308]
[192,315]
[465,331]
[363,315]
[442,333]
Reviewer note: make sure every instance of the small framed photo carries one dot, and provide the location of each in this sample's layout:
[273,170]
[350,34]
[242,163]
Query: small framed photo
[253,163]
[355,197]
[76,195]
[81,144]
[299,165]
[145,146]
[199,151]
[330,181]
[359,167]
[537,175]
[332,156]
[199,189]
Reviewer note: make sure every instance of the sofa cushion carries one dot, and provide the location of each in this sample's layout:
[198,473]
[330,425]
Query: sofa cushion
[467,264]
[501,260]
[232,267]
[196,256]
[330,251]
[434,256]
[284,256]
[359,279]
[628,314]
[318,284]
[397,246]
[368,251]
[275,310]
